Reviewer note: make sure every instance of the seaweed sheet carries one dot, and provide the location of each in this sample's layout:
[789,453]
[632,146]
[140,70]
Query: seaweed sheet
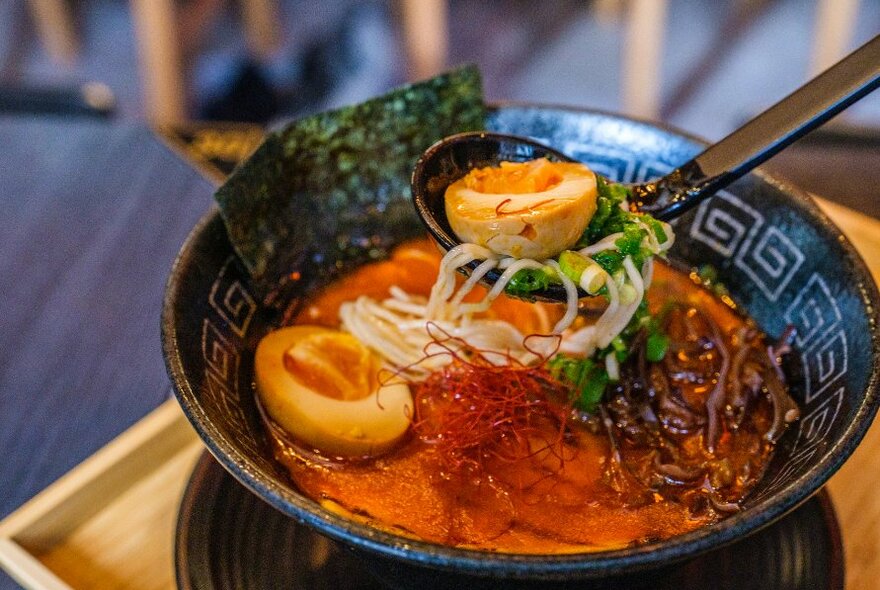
[340,174]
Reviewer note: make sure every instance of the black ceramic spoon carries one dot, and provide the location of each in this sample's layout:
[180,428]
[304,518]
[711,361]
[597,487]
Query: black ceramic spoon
[810,106]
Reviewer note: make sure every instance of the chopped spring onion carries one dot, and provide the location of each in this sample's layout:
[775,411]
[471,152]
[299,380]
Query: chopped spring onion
[583,271]
[628,294]
[592,279]
[656,346]
[612,367]
[573,264]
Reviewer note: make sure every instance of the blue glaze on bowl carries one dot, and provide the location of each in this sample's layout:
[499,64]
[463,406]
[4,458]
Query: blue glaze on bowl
[780,257]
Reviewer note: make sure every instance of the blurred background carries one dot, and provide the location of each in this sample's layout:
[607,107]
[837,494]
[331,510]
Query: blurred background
[705,67]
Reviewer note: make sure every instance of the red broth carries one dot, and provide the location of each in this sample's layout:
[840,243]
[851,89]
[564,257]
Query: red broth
[571,499]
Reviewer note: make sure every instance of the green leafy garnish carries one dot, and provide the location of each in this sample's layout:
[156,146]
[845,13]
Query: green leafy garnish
[657,343]
[610,260]
[587,379]
[527,281]
[630,244]
[656,346]
[612,217]
[609,217]
[656,227]
[709,278]
[620,347]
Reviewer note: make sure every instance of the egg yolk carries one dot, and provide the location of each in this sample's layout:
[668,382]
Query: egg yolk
[515,177]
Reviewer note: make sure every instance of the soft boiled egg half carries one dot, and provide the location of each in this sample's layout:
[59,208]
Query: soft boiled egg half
[322,387]
[532,209]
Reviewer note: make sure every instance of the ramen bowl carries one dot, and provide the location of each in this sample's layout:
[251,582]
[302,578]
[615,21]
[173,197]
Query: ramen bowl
[781,259]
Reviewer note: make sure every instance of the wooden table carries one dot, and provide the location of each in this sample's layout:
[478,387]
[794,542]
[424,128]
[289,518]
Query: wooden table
[92,216]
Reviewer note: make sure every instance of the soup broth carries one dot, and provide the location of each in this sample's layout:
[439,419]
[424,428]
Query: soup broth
[674,445]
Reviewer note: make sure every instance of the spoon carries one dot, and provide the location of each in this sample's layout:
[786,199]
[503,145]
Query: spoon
[716,167]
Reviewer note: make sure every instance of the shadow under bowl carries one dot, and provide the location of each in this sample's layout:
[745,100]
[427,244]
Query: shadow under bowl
[782,260]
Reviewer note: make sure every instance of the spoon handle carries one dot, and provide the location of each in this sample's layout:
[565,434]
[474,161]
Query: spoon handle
[810,106]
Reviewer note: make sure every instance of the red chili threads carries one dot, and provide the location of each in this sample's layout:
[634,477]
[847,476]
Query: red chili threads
[474,411]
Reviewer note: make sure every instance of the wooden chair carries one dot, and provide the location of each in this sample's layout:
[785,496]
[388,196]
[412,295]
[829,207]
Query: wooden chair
[158,26]
[643,57]
[425,36]
[835,24]
[54,23]
[165,37]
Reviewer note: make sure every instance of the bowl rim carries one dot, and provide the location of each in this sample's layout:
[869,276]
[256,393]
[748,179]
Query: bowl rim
[516,565]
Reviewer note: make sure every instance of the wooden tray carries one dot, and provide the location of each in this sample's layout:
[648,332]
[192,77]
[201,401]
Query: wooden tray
[108,523]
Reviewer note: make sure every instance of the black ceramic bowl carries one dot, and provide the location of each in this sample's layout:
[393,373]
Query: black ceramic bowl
[781,258]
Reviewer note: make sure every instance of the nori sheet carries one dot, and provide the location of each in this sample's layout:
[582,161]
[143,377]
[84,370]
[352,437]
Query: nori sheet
[342,173]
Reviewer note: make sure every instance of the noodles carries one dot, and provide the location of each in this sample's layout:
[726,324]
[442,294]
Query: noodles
[571,299]
[400,327]
[405,319]
[606,243]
